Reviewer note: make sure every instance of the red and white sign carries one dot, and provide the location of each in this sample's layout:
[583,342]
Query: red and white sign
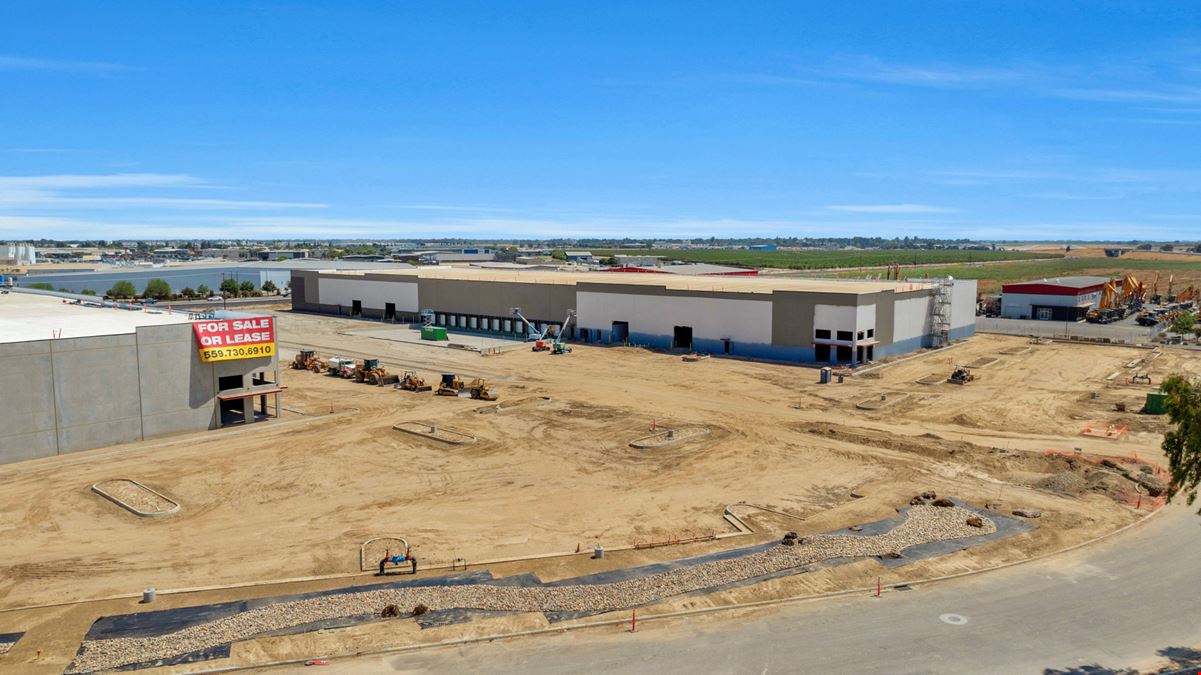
[227,339]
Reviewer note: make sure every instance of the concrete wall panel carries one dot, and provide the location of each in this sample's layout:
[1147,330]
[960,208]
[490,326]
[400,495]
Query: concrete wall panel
[27,414]
[711,318]
[373,294]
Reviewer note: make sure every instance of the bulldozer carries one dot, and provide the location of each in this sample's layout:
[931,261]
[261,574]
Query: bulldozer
[451,385]
[304,360]
[1140,378]
[961,375]
[411,382]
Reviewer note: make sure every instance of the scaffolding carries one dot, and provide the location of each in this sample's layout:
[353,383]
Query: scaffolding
[940,313]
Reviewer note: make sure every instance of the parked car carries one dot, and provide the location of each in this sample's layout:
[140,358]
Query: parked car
[216,298]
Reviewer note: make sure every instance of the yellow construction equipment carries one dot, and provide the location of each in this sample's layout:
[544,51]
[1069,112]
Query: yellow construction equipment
[411,382]
[1110,308]
[371,372]
[451,385]
[479,389]
[304,359]
[1154,298]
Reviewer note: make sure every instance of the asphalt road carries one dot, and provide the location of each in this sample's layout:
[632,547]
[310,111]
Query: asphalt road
[1114,605]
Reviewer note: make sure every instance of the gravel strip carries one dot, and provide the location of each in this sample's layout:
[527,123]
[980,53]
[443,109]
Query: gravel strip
[5,646]
[924,524]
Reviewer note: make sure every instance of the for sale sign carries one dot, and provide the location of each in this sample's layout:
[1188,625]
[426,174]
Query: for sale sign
[228,339]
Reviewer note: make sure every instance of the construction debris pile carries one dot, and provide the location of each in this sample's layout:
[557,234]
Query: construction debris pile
[924,523]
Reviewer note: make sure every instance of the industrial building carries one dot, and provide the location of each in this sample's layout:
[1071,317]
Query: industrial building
[1059,299]
[86,376]
[787,319]
[187,275]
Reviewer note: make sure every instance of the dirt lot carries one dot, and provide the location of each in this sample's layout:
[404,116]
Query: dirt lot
[297,497]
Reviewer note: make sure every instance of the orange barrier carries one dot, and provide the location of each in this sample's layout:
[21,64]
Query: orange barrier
[1141,502]
[1110,431]
[1156,470]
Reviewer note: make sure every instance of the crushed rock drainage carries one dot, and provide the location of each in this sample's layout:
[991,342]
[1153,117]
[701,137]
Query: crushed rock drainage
[435,432]
[668,437]
[923,524]
[136,498]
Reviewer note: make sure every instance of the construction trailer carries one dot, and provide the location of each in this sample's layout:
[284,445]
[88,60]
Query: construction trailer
[785,319]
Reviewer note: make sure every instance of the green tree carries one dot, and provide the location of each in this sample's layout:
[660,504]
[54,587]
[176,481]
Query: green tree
[187,292]
[42,286]
[158,289]
[269,286]
[1182,444]
[87,291]
[1167,247]
[1183,323]
[230,287]
[1144,247]
[203,291]
[122,289]
[559,254]
[247,287]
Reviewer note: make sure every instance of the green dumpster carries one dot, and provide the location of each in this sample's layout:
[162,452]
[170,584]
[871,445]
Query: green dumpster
[433,333]
[1155,403]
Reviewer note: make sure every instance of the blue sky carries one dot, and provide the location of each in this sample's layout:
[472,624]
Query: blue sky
[1039,120]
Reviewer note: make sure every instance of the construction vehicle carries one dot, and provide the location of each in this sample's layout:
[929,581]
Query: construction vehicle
[479,389]
[450,385]
[1133,293]
[411,382]
[1154,297]
[304,359]
[558,346]
[961,375]
[1109,309]
[555,345]
[371,372]
[334,366]
[1140,378]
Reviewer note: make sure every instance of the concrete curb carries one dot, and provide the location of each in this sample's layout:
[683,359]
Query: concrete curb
[128,507]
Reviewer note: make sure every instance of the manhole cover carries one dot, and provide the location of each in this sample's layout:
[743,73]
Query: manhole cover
[953,619]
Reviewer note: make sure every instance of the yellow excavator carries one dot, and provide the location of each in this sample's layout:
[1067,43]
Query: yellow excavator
[1110,308]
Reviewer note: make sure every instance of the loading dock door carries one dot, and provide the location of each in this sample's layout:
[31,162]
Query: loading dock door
[389,311]
[620,331]
[356,308]
[821,353]
[682,337]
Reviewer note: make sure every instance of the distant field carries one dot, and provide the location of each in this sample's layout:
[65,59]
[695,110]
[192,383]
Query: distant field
[1186,270]
[820,260]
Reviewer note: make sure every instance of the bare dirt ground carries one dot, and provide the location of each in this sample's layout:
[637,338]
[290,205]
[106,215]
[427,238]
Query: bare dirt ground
[297,497]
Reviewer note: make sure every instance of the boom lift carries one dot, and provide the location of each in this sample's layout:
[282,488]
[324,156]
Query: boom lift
[560,347]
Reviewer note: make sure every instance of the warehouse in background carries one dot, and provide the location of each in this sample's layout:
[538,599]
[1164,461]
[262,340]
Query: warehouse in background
[1059,299]
[91,376]
[784,319]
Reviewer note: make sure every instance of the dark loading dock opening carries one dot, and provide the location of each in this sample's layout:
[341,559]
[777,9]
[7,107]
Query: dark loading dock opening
[682,337]
[389,311]
[844,354]
[821,353]
[232,412]
[356,308]
[620,331]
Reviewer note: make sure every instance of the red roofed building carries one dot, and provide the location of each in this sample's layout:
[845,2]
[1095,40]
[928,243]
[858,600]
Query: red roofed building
[1059,299]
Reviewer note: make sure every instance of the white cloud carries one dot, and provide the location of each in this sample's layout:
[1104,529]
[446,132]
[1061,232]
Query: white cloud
[889,208]
[59,65]
[54,192]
